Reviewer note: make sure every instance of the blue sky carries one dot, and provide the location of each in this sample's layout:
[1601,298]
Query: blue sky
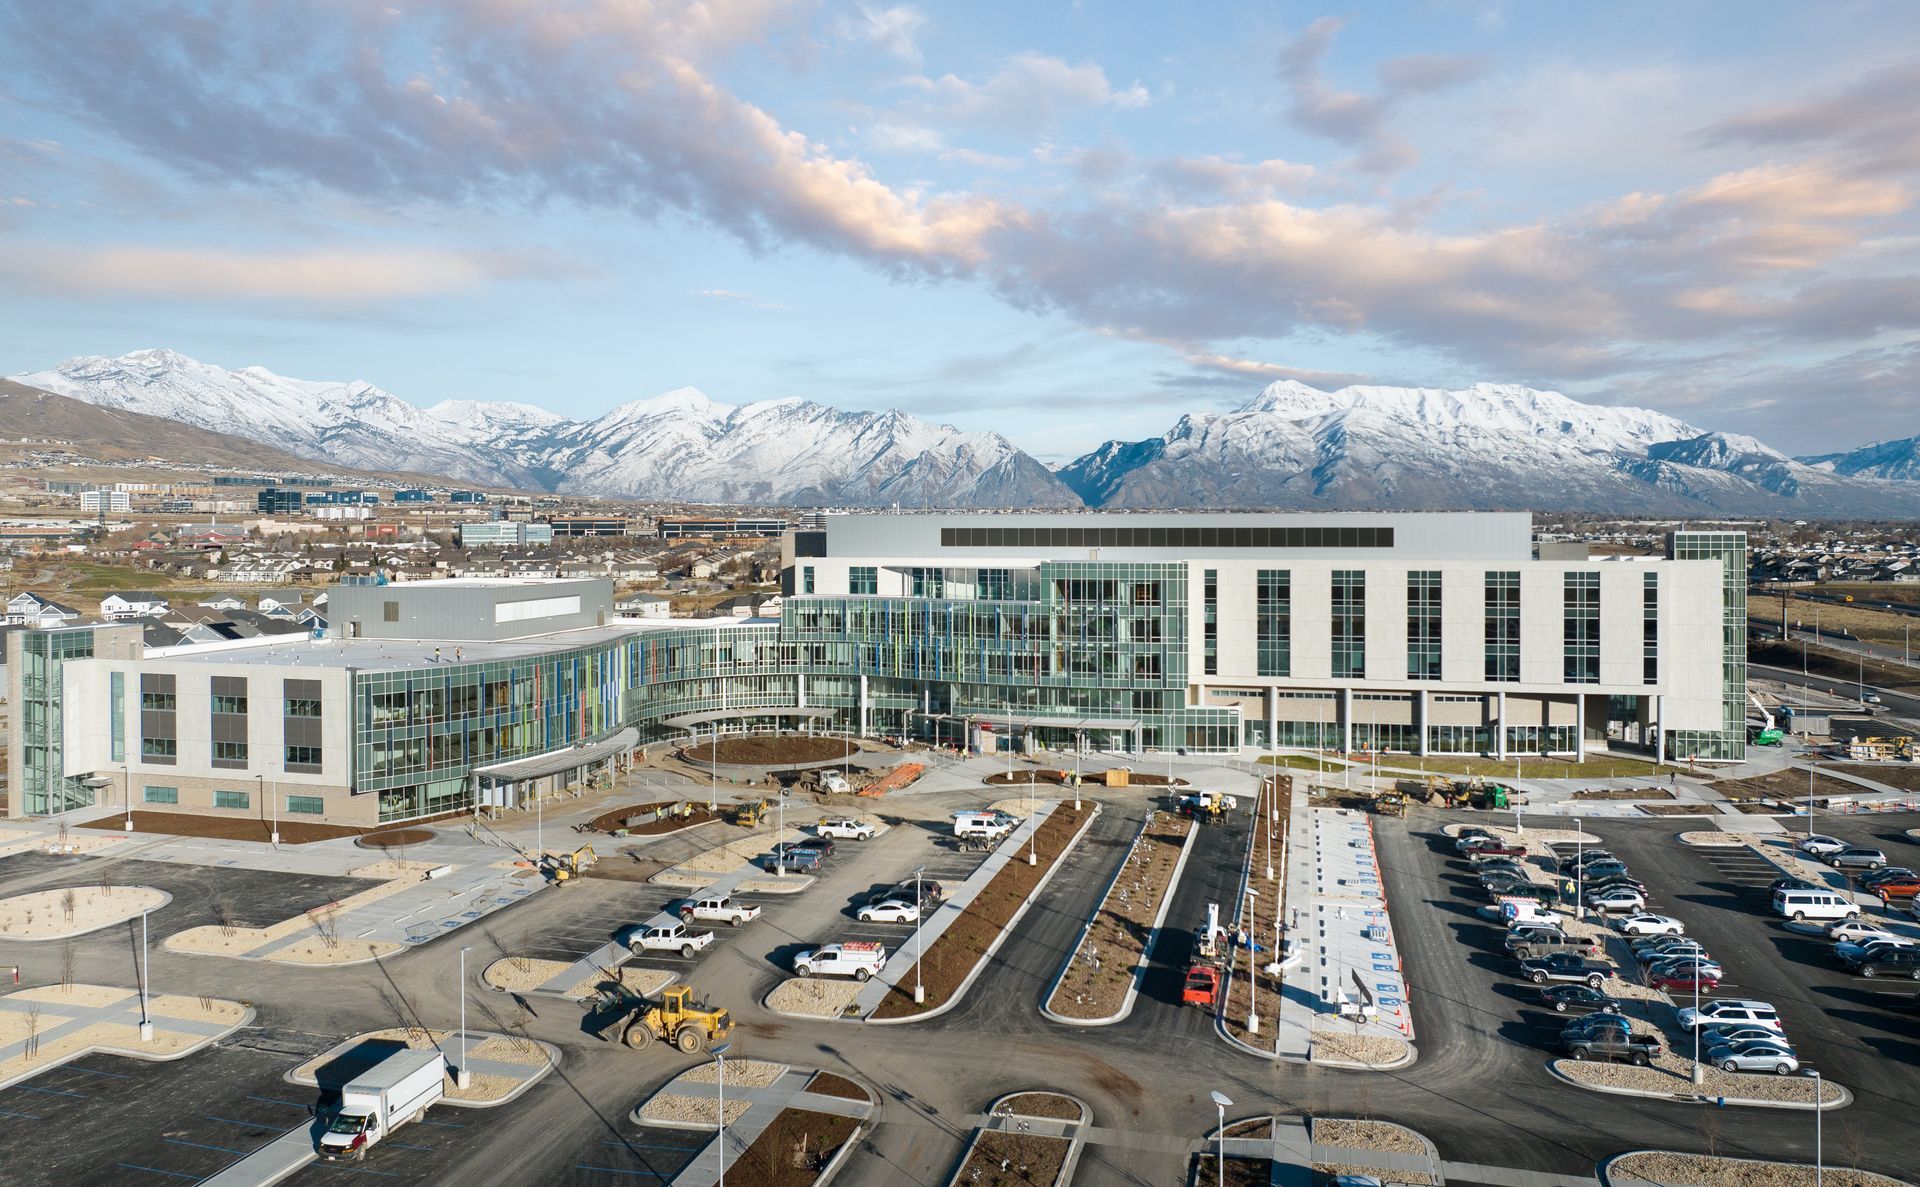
[1064,222]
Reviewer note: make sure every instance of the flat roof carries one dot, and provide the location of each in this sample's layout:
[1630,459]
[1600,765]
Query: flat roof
[392,655]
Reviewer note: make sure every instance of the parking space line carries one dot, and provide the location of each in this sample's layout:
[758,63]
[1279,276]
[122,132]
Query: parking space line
[645,1146]
[26,1116]
[203,1146]
[354,1170]
[154,1170]
[50,1091]
[94,1071]
[276,1101]
[237,1121]
[403,1146]
[442,1124]
[614,1170]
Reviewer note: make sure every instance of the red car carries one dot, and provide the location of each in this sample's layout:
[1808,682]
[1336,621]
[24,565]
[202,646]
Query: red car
[1683,983]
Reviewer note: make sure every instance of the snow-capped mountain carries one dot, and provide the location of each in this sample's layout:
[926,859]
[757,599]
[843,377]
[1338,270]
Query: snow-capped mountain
[1899,460]
[680,445]
[1489,446]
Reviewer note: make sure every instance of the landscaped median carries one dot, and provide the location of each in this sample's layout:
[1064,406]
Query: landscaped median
[75,910]
[969,939]
[1251,990]
[324,946]
[1031,1142]
[1098,983]
[797,1125]
[1656,1168]
[49,1025]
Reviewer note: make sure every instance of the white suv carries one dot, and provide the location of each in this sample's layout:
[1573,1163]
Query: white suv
[1731,1009]
[859,960]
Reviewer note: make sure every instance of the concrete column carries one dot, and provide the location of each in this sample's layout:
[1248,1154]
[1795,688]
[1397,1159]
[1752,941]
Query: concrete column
[863,704]
[1579,727]
[1659,727]
[1426,714]
[1273,716]
[1346,721]
[800,688]
[1500,723]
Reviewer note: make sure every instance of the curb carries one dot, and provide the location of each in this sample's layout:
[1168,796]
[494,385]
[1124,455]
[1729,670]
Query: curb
[1146,951]
[133,1053]
[1433,1152]
[165,898]
[986,957]
[798,882]
[1701,1098]
[842,1016]
[1603,1171]
[1347,1065]
[553,1053]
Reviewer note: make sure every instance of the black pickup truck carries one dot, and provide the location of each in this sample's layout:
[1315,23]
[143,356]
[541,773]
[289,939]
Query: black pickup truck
[1613,1044]
[1565,966]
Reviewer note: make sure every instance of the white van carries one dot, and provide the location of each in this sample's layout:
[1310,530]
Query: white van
[1802,905]
[1518,912]
[986,825]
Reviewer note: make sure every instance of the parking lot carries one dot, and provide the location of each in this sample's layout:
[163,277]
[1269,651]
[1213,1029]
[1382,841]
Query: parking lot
[1853,1030]
[641,1154]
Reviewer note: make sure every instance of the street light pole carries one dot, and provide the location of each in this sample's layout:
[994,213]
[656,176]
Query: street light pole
[465,1077]
[720,1057]
[1699,1073]
[1819,1093]
[919,929]
[1253,999]
[146,1023]
[713,768]
[1220,1102]
[128,768]
[1257,795]
[1579,870]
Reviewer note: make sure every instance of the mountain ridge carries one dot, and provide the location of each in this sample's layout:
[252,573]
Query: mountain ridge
[1289,446]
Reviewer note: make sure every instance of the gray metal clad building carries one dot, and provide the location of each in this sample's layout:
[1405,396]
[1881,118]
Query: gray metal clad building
[476,610]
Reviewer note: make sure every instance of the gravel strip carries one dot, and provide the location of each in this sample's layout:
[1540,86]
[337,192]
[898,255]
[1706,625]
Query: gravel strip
[1368,1135]
[1352,1048]
[1699,1170]
[731,856]
[1041,1104]
[820,998]
[43,914]
[691,1110]
[1378,1172]
[741,1073]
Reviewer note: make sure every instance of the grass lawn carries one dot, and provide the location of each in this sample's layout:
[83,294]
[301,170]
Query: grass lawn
[1459,764]
[1301,762]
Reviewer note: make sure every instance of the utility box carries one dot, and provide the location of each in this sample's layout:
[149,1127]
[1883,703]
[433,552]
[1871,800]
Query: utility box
[1118,776]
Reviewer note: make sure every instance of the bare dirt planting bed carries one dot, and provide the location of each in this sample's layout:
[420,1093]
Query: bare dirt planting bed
[1251,989]
[952,957]
[228,828]
[1699,1170]
[828,1084]
[51,914]
[792,1151]
[1240,1172]
[769,750]
[1102,968]
[1905,776]
[1623,793]
[1031,1161]
[815,997]
[644,820]
[1678,809]
[395,838]
[1041,1104]
[1788,784]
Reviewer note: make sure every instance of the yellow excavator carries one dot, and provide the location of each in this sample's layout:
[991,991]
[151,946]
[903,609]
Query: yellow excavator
[564,867]
[676,1018]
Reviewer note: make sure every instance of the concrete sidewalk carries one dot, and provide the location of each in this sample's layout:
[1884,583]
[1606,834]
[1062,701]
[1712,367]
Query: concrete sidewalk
[902,961]
[763,1107]
[1349,925]
[60,1020]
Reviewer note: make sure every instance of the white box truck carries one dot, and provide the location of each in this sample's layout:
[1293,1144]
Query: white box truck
[381,1099]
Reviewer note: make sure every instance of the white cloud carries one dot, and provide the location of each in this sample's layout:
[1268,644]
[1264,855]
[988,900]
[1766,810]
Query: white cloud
[1030,93]
[747,299]
[894,31]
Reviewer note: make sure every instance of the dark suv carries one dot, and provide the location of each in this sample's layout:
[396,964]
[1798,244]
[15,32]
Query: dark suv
[1891,962]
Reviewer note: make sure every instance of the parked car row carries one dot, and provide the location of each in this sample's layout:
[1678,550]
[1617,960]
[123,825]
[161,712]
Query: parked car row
[1741,1035]
[1867,950]
[1547,954]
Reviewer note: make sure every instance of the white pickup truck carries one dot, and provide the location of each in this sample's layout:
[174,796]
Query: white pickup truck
[857,959]
[846,828]
[723,908]
[667,937]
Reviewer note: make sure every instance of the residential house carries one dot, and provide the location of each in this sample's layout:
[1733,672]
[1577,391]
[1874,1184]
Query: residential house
[119,607]
[29,609]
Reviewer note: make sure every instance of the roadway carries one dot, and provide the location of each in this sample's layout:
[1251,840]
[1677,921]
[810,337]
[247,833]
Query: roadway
[1901,704]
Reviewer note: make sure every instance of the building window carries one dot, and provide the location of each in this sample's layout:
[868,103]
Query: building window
[1349,624]
[1503,626]
[117,706]
[303,758]
[306,805]
[1273,609]
[390,611]
[229,704]
[1582,627]
[996,585]
[806,579]
[156,701]
[863,579]
[162,750]
[236,800]
[229,754]
[1210,625]
[159,795]
[1650,628]
[1423,625]
[302,707]
[929,583]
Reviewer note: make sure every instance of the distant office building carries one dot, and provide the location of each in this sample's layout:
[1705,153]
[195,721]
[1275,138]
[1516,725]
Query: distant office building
[588,525]
[467,496]
[278,500]
[504,533]
[682,527]
[94,501]
[412,496]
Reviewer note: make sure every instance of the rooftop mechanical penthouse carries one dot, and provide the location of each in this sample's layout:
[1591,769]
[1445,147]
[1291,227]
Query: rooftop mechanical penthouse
[1418,633]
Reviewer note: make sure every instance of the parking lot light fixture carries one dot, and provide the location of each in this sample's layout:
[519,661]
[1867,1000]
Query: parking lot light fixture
[1253,997]
[465,1076]
[146,1023]
[720,1057]
[919,930]
[1819,1093]
[1699,1073]
[1222,1102]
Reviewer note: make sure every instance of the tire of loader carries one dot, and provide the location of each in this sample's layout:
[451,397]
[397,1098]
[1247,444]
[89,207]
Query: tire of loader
[689,1039]
[639,1036]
